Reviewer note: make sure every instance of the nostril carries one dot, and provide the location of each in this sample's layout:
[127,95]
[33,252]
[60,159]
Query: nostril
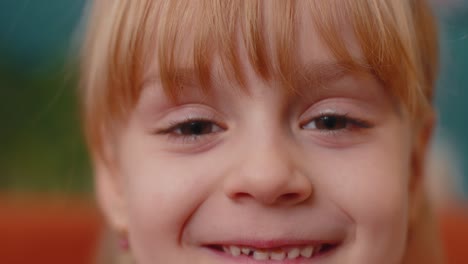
[290,197]
[240,195]
[281,191]
[286,198]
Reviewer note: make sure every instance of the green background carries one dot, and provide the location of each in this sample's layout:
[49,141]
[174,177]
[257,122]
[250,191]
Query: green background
[41,148]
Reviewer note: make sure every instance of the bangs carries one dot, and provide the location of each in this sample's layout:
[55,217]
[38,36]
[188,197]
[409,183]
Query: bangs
[397,39]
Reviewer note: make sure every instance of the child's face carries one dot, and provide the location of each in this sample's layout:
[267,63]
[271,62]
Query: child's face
[265,172]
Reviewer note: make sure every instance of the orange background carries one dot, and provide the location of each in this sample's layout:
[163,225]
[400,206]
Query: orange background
[51,230]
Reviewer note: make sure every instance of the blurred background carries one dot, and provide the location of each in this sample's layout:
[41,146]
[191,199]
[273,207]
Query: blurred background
[45,180]
[47,214]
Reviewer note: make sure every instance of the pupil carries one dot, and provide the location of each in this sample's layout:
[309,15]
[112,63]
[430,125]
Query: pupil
[331,123]
[195,128]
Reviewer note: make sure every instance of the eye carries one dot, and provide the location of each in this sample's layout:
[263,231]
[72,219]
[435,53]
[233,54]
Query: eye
[334,122]
[329,122]
[190,133]
[195,128]
[191,129]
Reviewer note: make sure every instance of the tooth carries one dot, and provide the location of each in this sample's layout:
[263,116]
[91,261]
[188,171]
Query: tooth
[307,252]
[260,255]
[245,250]
[278,255]
[293,253]
[317,249]
[226,249]
[235,251]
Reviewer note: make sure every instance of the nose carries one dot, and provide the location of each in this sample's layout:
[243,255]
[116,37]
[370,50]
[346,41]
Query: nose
[269,174]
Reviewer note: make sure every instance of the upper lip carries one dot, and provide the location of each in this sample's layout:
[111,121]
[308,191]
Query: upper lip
[269,244]
[269,231]
[271,238]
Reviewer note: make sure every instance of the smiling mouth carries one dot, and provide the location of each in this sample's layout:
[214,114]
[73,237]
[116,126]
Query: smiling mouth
[277,253]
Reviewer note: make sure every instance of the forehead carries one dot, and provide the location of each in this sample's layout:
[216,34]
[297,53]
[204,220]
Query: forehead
[280,42]
[131,42]
[165,40]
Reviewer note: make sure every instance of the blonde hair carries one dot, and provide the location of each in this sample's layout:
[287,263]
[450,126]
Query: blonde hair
[398,39]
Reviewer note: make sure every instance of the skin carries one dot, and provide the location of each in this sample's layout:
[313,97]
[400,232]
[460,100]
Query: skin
[265,168]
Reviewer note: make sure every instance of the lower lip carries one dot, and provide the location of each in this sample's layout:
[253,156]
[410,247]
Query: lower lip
[243,259]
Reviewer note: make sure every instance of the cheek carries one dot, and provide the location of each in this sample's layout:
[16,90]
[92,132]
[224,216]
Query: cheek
[162,191]
[372,182]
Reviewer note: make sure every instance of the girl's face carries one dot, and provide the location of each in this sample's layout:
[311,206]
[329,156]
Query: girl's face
[264,176]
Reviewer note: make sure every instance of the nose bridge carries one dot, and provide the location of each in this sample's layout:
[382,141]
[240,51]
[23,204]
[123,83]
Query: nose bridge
[270,156]
[268,172]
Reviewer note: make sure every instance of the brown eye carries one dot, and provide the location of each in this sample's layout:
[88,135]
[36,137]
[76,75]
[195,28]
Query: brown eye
[196,128]
[331,122]
[328,122]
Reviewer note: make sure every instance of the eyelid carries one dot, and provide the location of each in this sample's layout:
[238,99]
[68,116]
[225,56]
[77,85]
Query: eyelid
[187,112]
[174,124]
[360,123]
[189,142]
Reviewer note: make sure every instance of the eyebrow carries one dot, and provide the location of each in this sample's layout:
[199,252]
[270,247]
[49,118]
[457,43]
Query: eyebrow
[322,73]
[312,74]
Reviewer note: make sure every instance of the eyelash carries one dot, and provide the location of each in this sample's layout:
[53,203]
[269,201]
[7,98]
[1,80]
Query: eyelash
[178,125]
[355,123]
